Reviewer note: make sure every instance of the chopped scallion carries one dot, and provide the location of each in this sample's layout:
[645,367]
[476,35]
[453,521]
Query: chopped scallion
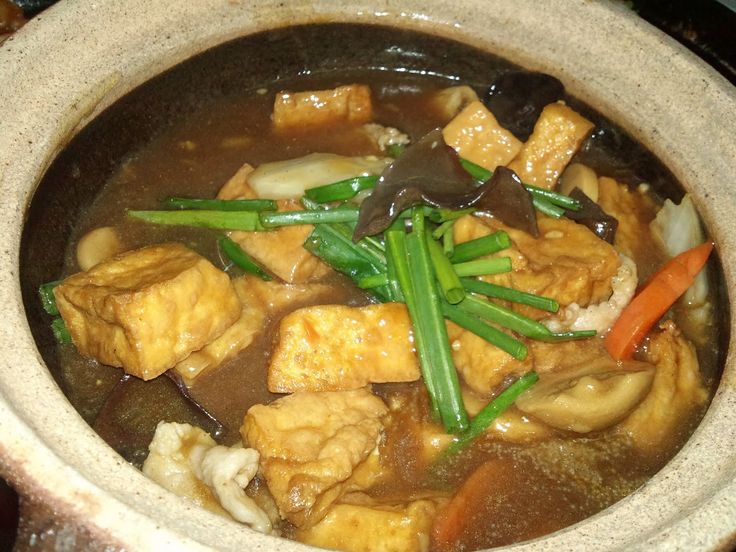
[236,254]
[221,220]
[61,332]
[478,247]
[48,300]
[510,294]
[481,267]
[221,204]
[448,280]
[344,189]
[291,218]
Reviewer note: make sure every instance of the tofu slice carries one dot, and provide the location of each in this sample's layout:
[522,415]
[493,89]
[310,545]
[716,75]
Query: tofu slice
[399,527]
[279,250]
[558,134]
[476,135]
[298,110]
[311,444]
[259,300]
[334,347]
[147,309]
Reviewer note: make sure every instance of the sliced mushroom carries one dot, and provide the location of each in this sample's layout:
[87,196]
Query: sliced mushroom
[590,397]
[579,176]
[98,245]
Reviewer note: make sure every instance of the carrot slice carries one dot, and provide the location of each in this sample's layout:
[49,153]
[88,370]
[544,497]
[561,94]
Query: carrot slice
[655,299]
[453,519]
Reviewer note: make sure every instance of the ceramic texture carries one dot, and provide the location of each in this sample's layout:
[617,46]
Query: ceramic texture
[74,60]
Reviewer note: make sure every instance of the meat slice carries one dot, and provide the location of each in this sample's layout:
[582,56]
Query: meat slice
[300,110]
[259,300]
[370,526]
[558,134]
[476,135]
[147,309]
[279,250]
[311,444]
[334,347]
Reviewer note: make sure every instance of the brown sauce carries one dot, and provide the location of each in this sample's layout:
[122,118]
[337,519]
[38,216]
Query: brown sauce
[550,484]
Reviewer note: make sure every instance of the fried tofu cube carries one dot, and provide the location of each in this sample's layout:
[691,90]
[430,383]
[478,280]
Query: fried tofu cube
[476,136]
[401,527]
[558,134]
[147,309]
[298,110]
[334,347]
[310,446]
[280,250]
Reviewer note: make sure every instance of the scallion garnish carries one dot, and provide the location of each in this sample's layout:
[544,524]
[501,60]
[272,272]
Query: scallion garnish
[248,221]
[290,218]
[48,300]
[221,204]
[338,191]
[481,267]
[510,294]
[61,332]
[236,254]
[447,278]
[494,336]
[478,247]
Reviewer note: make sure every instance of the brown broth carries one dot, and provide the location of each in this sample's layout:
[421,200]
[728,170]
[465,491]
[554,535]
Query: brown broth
[549,485]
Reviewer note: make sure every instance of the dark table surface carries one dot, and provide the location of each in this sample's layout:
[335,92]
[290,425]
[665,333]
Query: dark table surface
[707,27]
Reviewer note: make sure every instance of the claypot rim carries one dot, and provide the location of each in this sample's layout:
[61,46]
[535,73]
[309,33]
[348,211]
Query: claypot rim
[50,453]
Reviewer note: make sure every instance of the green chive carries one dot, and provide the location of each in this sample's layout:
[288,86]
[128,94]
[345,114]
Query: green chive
[448,280]
[61,332]
[344,189]
[220,220]
[48,300]
[492,335]
[510,294]
[236,254]
[478,247]
[482,267]
[544,206]
[221,204]
[290,218]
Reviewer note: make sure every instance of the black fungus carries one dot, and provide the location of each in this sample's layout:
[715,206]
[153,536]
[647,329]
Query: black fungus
[504,197]
[517,98]
[591,215]
[429,171]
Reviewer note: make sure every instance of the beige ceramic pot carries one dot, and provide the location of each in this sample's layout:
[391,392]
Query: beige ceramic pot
[70,63]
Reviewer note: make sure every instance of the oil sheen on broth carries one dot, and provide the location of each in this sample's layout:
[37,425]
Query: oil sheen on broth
[544,484]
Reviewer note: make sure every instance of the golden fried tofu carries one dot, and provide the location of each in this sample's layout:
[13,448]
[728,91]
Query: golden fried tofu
[677,391]
[476,136]
[448,102]
[259,300]
[280,250]
[374,527]
[558,134]
[147,309]
[483,366]
[335,347]
[299,110]
[311,444]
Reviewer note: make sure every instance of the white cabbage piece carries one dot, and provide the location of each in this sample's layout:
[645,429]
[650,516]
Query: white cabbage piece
[677,228]
[601,316]
[185,460]
[290,178]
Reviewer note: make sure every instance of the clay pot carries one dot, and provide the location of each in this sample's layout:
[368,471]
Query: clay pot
[76,59]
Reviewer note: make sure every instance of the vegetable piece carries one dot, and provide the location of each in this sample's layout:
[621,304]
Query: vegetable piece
[289,179]
[657,296]
[478,247]
[430,171]
[593,217]
[418,286]
[505,198]
[61,332]
[220,220]
[588,398]
[46,294]
[494,336]
[580,176]
[548,208]
[517,98]
[98,245]
[235,253]
[481,267]
[448,280]
[510,294]
[290,218]
[221,204]
[490,412]
[338,191]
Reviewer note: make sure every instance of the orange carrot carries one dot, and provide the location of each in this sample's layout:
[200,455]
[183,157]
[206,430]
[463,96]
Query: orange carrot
[655,298]
[453,519]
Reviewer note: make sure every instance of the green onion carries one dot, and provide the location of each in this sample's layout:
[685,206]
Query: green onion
[481,174]
[492,335]
[481,267]
[236,254]
[490,412]
[290,218]
[502,316]
[48,300]
[442,214]
[448,242]
[394,150]
[566,336]
[221,220]
[338,191]
[372,281]
[510,294]
[61,332]
[554,198]
[448,280]
[478,247]
[442,229]
[221,204]
[544,206]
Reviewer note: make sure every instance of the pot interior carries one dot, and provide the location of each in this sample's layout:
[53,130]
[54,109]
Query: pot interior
[317,53]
